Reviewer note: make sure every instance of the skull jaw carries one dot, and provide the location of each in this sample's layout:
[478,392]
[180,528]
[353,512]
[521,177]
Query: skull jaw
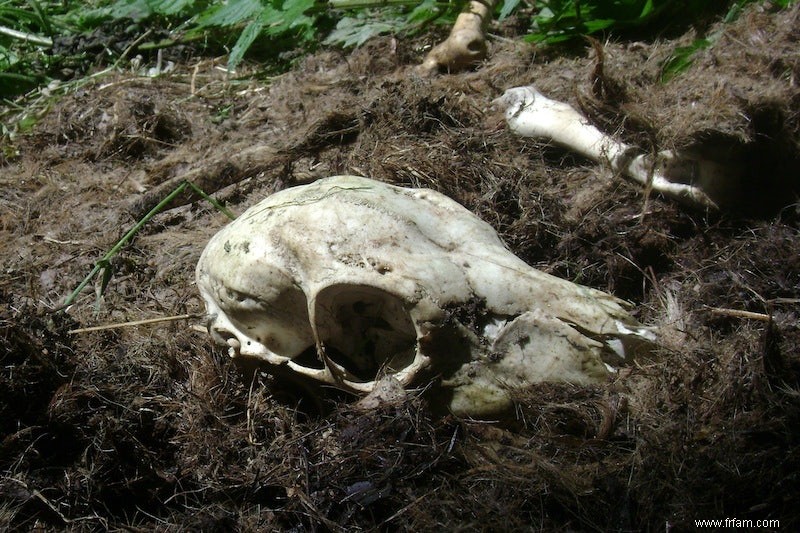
[524,351]
[479,372]
[313,364]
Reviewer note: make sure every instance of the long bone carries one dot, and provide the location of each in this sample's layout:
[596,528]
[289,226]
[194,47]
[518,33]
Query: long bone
[531,114]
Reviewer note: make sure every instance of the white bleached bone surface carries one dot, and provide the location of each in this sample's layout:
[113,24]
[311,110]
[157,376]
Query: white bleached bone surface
[348,279]
[466,44]
[691,180]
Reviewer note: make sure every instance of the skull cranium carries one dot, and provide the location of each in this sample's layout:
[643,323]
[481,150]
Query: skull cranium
[348,279]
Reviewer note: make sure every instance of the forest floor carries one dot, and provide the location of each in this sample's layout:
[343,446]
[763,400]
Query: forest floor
[153,427]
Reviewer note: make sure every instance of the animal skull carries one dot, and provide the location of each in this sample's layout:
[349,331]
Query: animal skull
[348,279]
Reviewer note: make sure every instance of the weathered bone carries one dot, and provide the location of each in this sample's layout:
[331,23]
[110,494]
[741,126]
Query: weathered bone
[466,44]
[348,279]
[690,180]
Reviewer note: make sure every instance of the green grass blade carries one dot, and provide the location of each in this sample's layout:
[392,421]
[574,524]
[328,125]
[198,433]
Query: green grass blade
[243,43]
[213,201]
[44,19]
[122,242]
[231,14]
[104,263]
[508,7]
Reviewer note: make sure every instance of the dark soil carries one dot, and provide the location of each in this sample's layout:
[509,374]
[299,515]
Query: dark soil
[153,428]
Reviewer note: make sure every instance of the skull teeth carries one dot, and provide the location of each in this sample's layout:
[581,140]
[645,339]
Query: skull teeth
[235,346]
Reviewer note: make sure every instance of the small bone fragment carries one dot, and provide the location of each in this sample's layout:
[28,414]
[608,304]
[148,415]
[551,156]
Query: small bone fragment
[531,114]
[466,44]
[386,392]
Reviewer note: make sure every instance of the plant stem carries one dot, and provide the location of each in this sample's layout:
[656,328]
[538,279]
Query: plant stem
[27,37]
[117,247]
[221,208]
[167,43]
[103,263]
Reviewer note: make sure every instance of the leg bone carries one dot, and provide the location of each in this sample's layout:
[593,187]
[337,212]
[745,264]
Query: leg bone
[531,114]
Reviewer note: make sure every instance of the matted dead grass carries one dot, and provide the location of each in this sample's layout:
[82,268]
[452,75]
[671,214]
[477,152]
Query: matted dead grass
[153,428]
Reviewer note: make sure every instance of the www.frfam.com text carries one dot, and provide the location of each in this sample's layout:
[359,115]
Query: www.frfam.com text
[739,523]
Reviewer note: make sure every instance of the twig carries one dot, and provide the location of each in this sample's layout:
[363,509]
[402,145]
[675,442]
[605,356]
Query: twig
[50,505]
[134,323]
[192,85]
[407,507]
[738,313]
[133,45]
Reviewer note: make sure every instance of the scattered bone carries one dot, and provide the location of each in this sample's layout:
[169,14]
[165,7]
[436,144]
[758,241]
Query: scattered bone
[386,392]
[466,44]
[691,180]
[348,279]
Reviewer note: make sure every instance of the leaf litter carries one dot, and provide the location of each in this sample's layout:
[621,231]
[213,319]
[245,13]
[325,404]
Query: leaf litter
[154,428]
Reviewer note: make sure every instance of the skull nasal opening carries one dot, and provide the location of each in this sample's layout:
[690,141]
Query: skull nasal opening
[365,330]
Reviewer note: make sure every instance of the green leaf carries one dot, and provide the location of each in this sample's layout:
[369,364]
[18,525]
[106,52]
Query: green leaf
[593,26]
[133,9]
[248,35]
[15,17]
[426,10]
[44,20]
[293,8]
[356,31]
[230,14]
[169,7]
[291,16]
[647,8]
[508,7]
[682,58]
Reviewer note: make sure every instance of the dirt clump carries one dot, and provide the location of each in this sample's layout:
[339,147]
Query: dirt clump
[153,428]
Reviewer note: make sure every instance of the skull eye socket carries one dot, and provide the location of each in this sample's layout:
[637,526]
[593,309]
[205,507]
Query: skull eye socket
[365,330]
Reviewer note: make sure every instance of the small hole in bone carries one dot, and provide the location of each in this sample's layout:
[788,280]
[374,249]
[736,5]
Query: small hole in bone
[523,341]
[475,46]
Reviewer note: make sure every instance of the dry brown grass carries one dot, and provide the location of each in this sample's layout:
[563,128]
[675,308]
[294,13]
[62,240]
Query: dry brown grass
[153,428]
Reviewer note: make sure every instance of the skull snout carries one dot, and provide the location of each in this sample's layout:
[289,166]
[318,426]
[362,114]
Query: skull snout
[239,344]
[224,337]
